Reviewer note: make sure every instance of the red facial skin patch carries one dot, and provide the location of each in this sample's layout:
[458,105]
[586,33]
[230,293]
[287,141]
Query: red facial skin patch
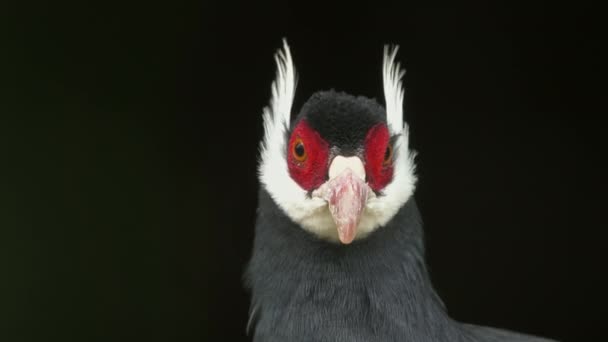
[309,170]
[378,170]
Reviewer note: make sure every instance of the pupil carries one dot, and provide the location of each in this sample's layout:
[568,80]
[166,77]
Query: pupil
[299,150]
[387,153]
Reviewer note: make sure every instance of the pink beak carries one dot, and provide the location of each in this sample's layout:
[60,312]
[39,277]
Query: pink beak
[346,193]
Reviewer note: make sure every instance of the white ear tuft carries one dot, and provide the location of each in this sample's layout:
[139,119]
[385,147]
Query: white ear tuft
[402,187]
[273,171]
[277,114]
[393,89]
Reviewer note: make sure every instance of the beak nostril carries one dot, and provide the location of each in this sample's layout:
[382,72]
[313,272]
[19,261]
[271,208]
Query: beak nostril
[340,164]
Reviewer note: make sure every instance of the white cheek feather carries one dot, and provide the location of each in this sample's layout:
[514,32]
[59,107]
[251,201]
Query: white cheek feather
[273,172]
[381,209]
[313,213]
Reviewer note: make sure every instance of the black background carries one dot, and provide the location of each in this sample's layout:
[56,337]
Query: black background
[132,134]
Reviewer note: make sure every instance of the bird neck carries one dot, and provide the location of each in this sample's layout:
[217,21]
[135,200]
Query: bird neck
[382,276]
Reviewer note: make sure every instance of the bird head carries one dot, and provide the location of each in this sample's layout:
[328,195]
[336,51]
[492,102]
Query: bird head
[342,167]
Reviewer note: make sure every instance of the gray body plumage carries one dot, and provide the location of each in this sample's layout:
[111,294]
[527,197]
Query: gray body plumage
[376,289]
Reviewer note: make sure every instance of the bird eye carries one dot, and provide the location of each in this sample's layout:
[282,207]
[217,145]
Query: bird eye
[388,155]
[299,153]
